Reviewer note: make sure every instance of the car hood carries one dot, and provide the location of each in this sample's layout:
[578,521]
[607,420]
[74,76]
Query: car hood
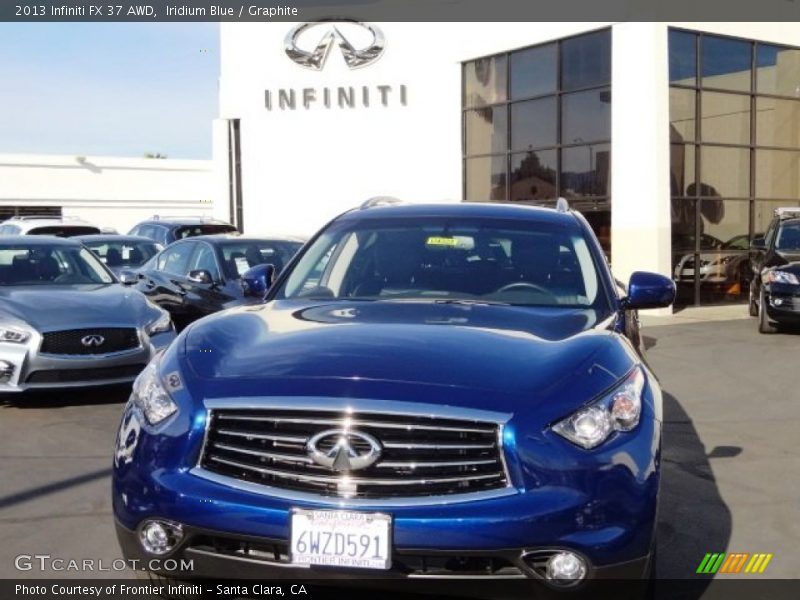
[508,351]
[74,306]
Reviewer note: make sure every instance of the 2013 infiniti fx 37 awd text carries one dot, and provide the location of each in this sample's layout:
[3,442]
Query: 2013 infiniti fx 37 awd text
[428,389]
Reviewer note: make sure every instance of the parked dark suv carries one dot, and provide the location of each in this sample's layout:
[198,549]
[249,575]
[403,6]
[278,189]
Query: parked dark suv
[775,289]
[166,230]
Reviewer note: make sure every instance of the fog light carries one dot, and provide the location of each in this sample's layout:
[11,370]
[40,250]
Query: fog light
[777,301]
[160,537]
[6,371]
[565,568]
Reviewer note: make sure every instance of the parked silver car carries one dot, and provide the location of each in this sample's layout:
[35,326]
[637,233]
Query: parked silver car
[65,321]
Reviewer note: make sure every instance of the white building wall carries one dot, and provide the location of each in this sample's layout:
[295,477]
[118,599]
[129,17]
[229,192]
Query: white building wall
[108,191]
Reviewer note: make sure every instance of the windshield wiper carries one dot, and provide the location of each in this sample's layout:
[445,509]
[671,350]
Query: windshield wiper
[468,302]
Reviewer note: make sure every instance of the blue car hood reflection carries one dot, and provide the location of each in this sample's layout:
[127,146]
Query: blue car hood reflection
[47,307]
[505,350]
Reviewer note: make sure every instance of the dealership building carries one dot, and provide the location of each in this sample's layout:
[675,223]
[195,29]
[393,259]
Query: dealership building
[676,140]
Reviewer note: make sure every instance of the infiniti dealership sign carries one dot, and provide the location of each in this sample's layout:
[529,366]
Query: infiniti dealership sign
[360,45]
[353,57]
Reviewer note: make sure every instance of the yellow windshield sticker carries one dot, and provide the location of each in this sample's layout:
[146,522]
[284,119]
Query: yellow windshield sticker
[442,241]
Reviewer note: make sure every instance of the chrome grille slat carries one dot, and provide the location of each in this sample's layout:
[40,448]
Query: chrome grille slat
[272,455]
[355,480]
[396,464]
[356,423]
[265,436]
[420,455]
[404,446]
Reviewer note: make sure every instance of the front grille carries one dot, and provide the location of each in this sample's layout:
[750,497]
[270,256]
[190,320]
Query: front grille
[93,374]
[413,563]
[73,341]
[421,456]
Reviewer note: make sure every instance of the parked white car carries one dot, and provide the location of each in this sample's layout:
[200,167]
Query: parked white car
[48,225]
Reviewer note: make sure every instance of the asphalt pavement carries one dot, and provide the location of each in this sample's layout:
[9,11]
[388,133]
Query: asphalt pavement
[731,478]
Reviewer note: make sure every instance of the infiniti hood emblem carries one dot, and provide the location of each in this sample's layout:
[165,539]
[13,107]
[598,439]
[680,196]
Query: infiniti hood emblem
[354,56]
[93,340]
[343,450]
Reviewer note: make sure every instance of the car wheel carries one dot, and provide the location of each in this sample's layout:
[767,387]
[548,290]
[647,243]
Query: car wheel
[752,304]
[764,324]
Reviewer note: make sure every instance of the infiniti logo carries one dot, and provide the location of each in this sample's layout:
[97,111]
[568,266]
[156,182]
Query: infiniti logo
[343,450]
[315,58]
[93,340]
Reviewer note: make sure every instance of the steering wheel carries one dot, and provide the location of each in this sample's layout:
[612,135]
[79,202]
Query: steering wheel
[524,285]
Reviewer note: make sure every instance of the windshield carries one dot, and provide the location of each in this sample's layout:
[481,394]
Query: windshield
[205,229]
[446,259]
[788,236]
[50,265]
[64,230]
[123,254]
[239,256]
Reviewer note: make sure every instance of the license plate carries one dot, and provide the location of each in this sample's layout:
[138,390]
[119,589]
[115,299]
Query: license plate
[340,538]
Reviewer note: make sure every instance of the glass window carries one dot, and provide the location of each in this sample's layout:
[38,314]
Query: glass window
[682,58]
[240,256]
[586,117]
[123,254]
[43,265]
[434,258]
[204,259]
[585,170]
[683,224]
[725,118]
[682,163]
[534,124]
[485,81]
[534,72]
[778,70]
[725,220]
[764,212]
[175,259]
[725,63]
[777,174]
[586,60]
[681,115]
[486,178]
[533,175]
[724,172]
[777,122]
[486,130]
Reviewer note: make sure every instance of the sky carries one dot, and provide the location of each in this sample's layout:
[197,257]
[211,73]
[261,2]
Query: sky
[117,89]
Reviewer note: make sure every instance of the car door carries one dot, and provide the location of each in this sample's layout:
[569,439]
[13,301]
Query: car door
[206,298]
[166,282]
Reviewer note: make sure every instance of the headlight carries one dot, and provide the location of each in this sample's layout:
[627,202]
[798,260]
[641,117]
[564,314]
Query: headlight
[160,325]
[619,410]
[781,277]
[151,397]
[17,336]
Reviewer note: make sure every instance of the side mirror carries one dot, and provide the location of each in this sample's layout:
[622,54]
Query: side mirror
[200,276]
[649,290]
[758,243]
[257,280]
[128,277]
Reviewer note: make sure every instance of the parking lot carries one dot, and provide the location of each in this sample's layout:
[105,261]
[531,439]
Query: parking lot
[731,476]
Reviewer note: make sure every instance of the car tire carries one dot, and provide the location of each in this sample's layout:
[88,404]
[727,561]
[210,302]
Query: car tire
[764,324]
[752,304]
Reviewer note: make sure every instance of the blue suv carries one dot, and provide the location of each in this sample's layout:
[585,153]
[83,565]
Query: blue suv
[444,390]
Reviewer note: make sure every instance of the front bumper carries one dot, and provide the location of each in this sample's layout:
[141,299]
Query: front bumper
[214,554]
[782,303]
[31,370]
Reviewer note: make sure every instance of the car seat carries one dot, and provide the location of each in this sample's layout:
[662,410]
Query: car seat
[114,258]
